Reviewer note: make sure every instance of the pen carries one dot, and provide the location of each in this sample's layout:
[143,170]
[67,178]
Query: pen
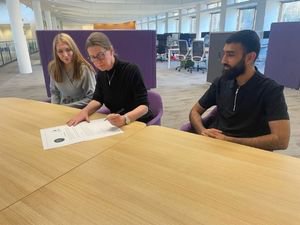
[118,112]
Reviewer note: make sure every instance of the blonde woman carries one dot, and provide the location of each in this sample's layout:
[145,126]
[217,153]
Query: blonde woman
[72,78]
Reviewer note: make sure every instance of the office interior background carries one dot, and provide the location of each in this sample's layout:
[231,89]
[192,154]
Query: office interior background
[175,17]
[169,16]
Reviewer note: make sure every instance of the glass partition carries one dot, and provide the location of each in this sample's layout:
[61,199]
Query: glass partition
[8,51]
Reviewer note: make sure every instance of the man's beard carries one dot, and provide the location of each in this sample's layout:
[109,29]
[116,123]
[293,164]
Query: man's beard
[235,71]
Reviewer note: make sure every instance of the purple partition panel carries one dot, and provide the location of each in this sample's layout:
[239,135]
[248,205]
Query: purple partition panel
[283,60]
[135,46]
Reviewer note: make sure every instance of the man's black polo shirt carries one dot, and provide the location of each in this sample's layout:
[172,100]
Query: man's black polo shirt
[246,110]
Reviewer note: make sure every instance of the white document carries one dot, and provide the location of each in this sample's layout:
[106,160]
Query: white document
[64,135]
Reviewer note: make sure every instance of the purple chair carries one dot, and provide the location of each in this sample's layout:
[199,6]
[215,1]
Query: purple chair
[156,107]
[47,100]
[206,120]
[103,110]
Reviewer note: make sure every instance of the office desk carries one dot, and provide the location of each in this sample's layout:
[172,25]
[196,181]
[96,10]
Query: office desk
[164,176]
[24,165]
[170,52]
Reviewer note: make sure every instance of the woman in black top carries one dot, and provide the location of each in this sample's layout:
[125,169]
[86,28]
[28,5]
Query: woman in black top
[119,86]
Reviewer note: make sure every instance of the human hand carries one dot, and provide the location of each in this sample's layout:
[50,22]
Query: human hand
[82,116]
[212,132]
[116,119]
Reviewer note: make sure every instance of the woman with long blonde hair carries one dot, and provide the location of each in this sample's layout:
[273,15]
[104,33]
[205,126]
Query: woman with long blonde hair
[72,78]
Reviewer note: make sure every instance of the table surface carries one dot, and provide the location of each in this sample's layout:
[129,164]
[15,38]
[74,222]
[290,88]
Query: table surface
[24,165]
[165,176]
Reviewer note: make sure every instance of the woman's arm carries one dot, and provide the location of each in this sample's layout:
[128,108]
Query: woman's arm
[55,93]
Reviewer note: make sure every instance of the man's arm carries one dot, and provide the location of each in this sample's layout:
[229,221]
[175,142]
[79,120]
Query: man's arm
[195,118]
[278,139]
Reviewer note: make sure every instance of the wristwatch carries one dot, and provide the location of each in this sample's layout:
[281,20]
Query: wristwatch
[127,120]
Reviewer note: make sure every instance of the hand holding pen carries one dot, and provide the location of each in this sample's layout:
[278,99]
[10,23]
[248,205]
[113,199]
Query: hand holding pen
[116,119]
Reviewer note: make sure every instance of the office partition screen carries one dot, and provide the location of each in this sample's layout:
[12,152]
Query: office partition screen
[216,45]
[283,60]
[135,46]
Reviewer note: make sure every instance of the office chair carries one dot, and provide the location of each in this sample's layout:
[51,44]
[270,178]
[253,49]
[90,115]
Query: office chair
[207,119]
[103,110]
[156,107]
[161,53]
[206,42]
[47,100]
[183,55]
[198,56]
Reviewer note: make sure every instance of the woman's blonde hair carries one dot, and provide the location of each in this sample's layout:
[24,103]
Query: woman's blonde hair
[56,66]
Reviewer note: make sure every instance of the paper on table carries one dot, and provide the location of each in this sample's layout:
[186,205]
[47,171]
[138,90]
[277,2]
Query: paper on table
[64,135]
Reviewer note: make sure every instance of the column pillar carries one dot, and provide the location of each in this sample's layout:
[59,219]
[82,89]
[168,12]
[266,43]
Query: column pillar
[36,6]
[179,21]
[198,35]
[223,15]
[166,24]
[48,20]
[54,23]
[16,23]
[260,17]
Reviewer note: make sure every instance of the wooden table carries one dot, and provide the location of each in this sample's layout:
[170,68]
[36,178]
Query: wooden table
[164,176]
[24,165]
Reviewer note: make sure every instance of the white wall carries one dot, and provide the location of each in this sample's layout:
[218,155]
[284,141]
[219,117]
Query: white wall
[5,33]
[73,26]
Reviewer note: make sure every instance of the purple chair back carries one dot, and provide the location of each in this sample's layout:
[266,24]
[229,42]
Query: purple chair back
[135,46]
[156,106]
[103,110]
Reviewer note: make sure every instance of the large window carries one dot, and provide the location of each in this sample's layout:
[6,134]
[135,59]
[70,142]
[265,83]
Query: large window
[188,11]
[214,22]
[144,26]
[161,27]
[186,24]
[213,5]
[138,25]
[290,11]
[238,1]
[152,23]
[173,13]
[173,21]
[173,25]
[152,26]
[246,18]
[161,16]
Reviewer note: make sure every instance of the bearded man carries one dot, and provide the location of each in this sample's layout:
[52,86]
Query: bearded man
[251,108]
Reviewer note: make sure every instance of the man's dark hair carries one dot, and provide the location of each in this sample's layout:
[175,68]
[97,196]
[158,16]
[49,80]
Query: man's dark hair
[248,39]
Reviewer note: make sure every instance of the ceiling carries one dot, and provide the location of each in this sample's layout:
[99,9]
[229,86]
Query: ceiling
[103,11]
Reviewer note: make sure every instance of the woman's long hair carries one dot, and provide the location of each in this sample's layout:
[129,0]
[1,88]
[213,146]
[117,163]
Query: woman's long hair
[56,66]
